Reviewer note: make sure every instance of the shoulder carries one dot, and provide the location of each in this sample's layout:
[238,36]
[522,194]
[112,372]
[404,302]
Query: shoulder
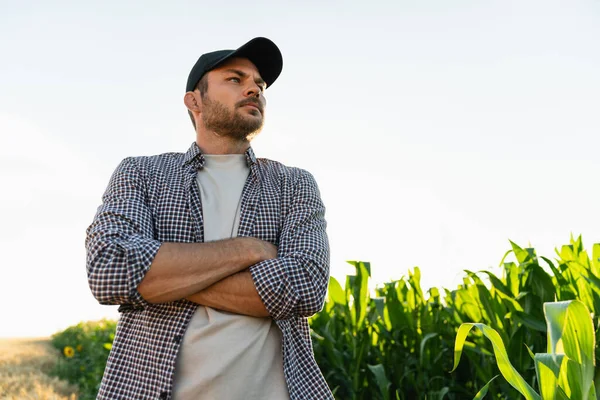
[150,167]
[159,161]
[147,171]
[277,168]
[286,175]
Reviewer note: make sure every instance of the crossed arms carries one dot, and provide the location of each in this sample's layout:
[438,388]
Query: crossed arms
[243,275]
[210,274]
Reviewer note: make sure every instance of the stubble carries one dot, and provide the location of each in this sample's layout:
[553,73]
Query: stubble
[226,123]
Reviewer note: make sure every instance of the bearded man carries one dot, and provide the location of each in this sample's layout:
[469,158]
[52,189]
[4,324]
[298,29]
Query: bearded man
[215,257]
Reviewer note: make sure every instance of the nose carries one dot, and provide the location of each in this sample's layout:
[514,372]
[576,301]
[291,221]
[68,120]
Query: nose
[253,90]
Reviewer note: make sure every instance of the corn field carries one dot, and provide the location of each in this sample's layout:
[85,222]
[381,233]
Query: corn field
[399,343]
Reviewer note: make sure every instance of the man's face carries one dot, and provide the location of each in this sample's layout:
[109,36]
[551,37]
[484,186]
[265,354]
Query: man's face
[234,104]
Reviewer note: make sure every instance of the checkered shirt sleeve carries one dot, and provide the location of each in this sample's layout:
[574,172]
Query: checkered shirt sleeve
[120,241]
[295,283]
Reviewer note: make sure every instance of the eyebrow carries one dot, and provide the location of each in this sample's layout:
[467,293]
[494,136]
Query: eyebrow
[242,74]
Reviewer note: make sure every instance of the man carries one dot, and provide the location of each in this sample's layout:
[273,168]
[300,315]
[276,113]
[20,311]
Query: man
[215,257]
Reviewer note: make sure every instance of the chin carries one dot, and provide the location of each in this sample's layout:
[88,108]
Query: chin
[255,114]
[252,135]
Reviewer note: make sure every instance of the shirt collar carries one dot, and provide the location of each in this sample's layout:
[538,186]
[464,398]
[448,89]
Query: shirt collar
[195,157]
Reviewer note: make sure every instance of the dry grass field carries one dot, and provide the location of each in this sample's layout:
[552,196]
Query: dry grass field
[23,367]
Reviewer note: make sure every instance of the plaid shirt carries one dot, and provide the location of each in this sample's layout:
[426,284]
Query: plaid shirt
[151,200]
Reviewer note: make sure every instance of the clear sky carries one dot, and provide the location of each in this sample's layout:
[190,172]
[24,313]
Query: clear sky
[437,130]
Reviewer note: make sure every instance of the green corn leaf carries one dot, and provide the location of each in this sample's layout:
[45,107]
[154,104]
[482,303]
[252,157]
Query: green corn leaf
[379,303]
[481,394]
[560,394]
[477,349]
[336,293]
[438,394]
[509,302]
[362,298]
[529,321]
[360,291]
[594,284]
[422,346]
[563,381]
[367,266]
[386,319]
[592,393]
[571,332]
[577,243]
[397,316]
[532,254]
[570,379]
[595,265]
[547,368]
[506,369]
[542,283]
[584,290]
[415,282]
[497,283]
[547,382]
[522,255]
[434,294]
[465,303]
[488,303]
[382,381]
[559,277]
[579,342]
[512,278]
[504,258]
[556,314]
[530,352]
[566,292]
[351,283]
[566,253]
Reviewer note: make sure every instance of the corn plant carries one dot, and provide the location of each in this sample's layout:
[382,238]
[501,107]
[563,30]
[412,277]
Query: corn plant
[565,371]
[396,344]
[576,276]
[512,305]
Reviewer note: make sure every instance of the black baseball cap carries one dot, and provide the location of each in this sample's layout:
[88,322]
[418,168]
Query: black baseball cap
[261,51]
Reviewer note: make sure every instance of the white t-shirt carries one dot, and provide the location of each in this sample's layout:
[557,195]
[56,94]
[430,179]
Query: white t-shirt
[223,355]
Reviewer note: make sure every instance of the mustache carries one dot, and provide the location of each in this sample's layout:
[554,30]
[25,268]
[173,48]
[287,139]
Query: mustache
[250,101]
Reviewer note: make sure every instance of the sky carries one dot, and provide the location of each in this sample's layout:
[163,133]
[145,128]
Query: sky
[436,130]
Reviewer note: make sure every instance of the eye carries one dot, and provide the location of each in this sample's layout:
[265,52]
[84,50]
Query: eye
[234,79]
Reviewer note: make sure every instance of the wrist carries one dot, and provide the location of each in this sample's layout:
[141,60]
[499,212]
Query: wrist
[248,251]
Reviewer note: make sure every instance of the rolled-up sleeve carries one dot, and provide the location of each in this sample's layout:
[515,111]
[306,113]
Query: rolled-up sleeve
[295,283]
[120,241]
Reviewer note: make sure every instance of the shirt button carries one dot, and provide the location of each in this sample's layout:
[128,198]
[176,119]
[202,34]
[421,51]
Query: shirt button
[163,396]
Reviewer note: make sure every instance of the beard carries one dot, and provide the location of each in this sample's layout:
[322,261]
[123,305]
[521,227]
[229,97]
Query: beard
[226,123]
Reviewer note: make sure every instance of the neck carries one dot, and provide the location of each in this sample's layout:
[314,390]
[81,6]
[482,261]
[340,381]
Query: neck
[211,143]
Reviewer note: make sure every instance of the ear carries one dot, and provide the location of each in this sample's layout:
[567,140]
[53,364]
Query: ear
[193,102]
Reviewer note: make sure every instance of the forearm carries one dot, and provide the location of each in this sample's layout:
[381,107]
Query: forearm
[182,269]
[235,294]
